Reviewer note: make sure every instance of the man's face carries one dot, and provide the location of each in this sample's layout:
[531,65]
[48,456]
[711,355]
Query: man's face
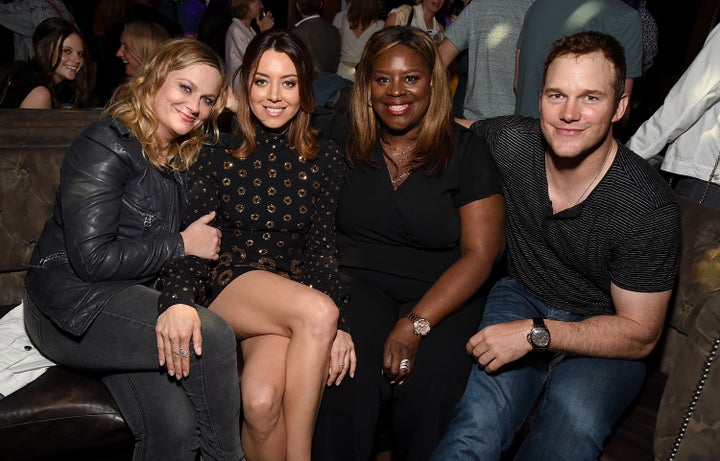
[577,104]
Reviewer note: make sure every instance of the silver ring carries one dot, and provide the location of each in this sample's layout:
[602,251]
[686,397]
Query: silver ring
[182,352]
[405,364]
[341,366]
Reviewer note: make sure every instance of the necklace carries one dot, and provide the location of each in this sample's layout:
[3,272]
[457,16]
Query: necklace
[396,151]
[602,167]
[397,166]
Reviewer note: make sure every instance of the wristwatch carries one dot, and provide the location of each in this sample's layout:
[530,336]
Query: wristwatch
[420,325]
[539,336]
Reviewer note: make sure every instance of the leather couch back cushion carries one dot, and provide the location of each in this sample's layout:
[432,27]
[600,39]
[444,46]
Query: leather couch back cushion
[32,145]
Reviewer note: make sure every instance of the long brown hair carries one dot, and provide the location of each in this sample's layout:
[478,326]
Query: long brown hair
[434,144]
[302,137]
[132,102]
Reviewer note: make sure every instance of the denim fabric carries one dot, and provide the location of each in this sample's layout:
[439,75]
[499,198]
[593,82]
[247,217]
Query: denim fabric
[578,399]
[169,418]
[694,189]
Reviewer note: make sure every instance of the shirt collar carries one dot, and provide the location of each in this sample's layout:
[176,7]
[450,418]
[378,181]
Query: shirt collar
[309,17]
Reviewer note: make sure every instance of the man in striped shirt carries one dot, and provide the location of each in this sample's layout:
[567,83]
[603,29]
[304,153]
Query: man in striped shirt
[593,247]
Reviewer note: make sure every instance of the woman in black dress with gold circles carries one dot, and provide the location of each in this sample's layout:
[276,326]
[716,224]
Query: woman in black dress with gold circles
[274,187]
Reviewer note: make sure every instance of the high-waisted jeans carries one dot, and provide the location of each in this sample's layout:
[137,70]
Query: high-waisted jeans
[170,419]
[578,399]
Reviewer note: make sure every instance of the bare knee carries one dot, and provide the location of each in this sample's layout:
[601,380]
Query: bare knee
[318,315]
[262,405]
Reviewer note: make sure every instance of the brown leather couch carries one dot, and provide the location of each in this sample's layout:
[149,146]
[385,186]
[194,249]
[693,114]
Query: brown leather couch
[67,415]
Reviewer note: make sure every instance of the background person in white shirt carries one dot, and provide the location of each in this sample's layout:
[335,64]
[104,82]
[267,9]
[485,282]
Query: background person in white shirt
[688,123]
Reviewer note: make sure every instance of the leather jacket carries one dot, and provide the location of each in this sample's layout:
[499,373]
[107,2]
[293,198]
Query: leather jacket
[114,224]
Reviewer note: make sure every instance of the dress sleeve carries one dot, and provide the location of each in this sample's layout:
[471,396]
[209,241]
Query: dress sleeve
[187,280]
[479,177]
[321,263]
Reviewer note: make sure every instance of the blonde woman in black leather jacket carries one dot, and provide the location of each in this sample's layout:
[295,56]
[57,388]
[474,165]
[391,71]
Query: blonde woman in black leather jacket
[90,300]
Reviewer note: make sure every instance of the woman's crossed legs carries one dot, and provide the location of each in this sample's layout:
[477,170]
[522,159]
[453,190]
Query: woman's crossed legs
[286,329]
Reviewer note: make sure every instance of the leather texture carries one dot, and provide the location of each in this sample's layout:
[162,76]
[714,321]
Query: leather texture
[117,224]
[688,421]
[32,146]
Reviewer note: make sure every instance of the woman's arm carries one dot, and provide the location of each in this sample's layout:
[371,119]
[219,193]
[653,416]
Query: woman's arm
[321,263]
[38,98]
[482,243]
[186,280]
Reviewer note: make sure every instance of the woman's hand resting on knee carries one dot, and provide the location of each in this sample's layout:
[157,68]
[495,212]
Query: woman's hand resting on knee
[342,358]
[177,328]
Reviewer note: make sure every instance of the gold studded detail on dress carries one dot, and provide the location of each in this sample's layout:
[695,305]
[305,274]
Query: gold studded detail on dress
[268,222]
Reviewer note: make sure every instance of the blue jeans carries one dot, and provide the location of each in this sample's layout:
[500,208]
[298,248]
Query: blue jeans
[169,418]
[694,189]
[578,399]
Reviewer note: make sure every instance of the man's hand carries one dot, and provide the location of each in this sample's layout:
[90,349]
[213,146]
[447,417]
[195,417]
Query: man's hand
[500,344]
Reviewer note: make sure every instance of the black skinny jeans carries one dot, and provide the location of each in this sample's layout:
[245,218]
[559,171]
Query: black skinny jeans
[170,419]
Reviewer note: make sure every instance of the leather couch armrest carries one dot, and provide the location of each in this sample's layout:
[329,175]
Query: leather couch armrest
[688,422]
[699,276]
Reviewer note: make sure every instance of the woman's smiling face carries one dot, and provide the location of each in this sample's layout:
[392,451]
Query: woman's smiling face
[185,100]
[400,89]
[274,92]
[72,58]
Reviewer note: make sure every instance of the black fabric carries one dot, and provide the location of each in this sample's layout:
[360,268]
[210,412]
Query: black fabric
[393,245]
[18,84]
[276,212]
[412,232]
[626,232]
[420,409]
[115,223]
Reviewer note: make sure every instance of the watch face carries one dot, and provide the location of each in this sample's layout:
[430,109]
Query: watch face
[540,337]
[422,327]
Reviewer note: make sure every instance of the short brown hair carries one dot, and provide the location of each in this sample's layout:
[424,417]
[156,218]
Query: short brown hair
[239,8]
[584,43]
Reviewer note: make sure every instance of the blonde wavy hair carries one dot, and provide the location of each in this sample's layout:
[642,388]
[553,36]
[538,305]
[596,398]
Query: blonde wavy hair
[132,102]
[434,144]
